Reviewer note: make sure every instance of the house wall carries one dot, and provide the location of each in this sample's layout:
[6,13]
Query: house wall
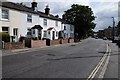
[50,23]
[68,31]
[18,19]
[3,22]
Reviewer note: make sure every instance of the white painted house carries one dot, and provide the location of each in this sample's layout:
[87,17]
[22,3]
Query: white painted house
[68,30]
[19,20]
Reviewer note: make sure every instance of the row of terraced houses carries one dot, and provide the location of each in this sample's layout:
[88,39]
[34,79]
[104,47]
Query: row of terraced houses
[19,20]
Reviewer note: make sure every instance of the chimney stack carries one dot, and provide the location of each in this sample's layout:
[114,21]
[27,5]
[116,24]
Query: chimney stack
[47,10]
[57,16]
[34,5]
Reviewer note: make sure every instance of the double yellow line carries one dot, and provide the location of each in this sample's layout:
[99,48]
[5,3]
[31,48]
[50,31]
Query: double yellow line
[96,69]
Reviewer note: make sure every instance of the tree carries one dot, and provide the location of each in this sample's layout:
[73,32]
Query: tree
[82,18]
[118,28]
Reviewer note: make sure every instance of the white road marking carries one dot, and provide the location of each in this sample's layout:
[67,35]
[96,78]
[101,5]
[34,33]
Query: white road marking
[105,66]
[96,69]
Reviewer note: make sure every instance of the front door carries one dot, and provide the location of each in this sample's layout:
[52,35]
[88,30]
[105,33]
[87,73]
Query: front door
[39,34]
[53,35]
[15,34]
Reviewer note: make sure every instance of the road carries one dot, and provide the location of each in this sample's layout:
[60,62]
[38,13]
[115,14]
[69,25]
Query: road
[76,60]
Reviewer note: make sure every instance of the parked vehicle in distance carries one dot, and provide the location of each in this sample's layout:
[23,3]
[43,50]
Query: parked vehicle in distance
[104,38]
[96,37]
[116,39]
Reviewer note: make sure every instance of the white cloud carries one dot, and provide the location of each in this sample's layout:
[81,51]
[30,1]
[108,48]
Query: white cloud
[104,12]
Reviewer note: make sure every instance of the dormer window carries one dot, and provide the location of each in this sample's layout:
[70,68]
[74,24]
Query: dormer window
[29,17]
[5,14]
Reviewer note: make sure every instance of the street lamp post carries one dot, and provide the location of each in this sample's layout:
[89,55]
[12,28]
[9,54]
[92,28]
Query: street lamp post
[113,30]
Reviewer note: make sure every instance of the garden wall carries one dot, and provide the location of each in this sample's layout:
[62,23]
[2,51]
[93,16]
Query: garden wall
[55,42]
[17,45]
[38,43]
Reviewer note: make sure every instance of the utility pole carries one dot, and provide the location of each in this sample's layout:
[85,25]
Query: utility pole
[113,29]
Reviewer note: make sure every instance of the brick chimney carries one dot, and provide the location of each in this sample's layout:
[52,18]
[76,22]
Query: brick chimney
[47,10]
[34,5]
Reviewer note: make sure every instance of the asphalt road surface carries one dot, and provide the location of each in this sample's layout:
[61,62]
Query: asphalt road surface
[78,60]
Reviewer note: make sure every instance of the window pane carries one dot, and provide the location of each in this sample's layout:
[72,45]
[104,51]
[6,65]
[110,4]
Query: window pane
[64,27]
[5,14]
[45,33]
[56,23]
[29,17]
[45,22]
[15,31]
[5,29]
[33,31]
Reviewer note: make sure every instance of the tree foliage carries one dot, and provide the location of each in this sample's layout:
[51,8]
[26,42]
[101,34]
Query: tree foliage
[81,17]
[118,27]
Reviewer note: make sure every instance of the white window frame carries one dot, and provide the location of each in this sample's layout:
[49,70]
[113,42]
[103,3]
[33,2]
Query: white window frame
[3,15]
[29,32]
[16,31]
[29,18]
[56,23]
[45,22]
[5,31]
[45,33]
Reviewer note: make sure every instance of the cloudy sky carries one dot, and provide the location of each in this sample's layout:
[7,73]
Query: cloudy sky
[103,10]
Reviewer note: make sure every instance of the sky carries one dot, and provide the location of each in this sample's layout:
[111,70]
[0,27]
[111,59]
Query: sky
[104,10]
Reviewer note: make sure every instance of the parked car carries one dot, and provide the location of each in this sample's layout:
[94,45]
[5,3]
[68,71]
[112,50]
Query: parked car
[116,39]
[96,37]
[104,38]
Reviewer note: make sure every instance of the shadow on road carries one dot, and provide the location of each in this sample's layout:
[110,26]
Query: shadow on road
[74,57]
[63,58]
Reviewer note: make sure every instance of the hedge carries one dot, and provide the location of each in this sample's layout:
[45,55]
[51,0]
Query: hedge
[5,36]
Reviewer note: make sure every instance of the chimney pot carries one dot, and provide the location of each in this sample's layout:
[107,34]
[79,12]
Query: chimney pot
[47,10]
[34,5]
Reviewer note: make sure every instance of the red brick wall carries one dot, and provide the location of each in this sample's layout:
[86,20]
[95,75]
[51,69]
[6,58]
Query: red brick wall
[76,40]
[65,41]
[38,43]
[71,41]
[18,45]
[55,42]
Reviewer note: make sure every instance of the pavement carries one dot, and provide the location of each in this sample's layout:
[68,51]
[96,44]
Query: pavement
[17,51]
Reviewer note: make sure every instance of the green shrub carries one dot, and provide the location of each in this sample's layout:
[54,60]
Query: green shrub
[5,36]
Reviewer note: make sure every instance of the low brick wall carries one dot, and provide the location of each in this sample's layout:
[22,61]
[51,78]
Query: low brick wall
[70,40]
[55,42]
[17,45]
[65,41]
[61,41]
[76,40]
[38,43]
